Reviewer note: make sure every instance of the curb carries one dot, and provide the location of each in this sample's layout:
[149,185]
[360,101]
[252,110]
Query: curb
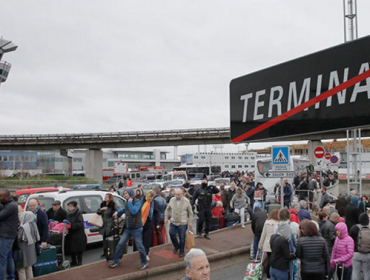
[179,265]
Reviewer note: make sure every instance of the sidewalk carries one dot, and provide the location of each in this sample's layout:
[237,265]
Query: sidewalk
[223,244]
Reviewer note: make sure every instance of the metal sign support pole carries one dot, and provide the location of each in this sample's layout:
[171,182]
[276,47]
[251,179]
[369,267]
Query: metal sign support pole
[281,192]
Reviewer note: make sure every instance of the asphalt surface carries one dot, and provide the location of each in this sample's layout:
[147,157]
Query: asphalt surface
[223,245]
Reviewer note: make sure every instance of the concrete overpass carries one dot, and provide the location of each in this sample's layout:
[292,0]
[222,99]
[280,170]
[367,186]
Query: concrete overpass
[94,142]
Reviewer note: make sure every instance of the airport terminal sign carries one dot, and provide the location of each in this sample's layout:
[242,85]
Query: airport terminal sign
[325,91]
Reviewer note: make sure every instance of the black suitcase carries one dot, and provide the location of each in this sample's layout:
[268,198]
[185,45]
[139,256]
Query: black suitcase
[214,224]
[232,217]
[46,261]
[111,242]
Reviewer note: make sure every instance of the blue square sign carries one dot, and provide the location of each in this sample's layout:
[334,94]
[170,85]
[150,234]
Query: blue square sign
[280,155]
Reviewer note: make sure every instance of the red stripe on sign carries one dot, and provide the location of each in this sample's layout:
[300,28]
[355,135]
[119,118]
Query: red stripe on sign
[303,106]
[93,234]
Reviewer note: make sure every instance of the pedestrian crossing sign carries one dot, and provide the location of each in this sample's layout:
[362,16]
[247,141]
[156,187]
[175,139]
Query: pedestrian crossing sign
[280,155]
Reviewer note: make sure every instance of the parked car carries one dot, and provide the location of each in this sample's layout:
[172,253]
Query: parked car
[88,203]
[24,194]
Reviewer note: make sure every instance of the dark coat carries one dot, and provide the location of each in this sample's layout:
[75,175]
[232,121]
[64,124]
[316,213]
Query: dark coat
[329,235]
[106,229]
[341,204]
[42,225]
[313,254]
[58,215]
[75,239]
[258,221]
[280,254]
[9,219]
[351,214]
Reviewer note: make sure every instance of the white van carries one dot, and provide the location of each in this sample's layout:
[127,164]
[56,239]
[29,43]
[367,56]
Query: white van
[87,201]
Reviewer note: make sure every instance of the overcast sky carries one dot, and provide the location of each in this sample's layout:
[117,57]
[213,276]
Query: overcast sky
[102,66]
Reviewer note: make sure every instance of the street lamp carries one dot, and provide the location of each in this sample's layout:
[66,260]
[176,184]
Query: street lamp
[5,46]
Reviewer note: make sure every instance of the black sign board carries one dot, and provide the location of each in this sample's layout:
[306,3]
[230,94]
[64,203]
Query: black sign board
[325,91]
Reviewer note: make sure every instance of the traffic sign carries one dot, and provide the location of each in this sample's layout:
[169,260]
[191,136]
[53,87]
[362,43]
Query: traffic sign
[334,159]
[319,152]
[298,97]
[280,155]
[327,156]
[280,174]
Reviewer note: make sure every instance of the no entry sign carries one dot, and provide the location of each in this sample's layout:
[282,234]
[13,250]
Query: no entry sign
[309,95]
[319,152]
[327,156]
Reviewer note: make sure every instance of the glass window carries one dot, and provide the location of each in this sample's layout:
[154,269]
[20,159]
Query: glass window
[232,157]
[252,157]
[11,158]
[23,198]
[5,158]
[226,166]
[245,157]
[252,165]
[45,202]
[240,157]
[119,202]
[226,157]
[73,198]
[203,157]
[195,157]
[92,203]
[240,166]
[232,166]
[246,166]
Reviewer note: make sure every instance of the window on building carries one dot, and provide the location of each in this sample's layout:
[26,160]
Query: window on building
[252,165]
[195,157]
[252,157]
[240,157]
[232,166]
[226,166]
[203,157]
[232,157]
[240,166]
[246,166]
[226,157]
[246,158]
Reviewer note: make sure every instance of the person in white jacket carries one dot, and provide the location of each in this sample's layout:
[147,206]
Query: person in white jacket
[264,244]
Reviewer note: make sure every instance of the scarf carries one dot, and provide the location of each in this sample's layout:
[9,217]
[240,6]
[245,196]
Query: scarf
[30,233]
[35,212]
[145,209]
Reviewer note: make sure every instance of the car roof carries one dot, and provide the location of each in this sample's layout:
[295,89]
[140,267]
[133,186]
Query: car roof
[33,190]
[66,194]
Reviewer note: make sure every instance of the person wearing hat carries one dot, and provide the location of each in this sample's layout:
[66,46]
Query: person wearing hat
[75,239]
[56,212]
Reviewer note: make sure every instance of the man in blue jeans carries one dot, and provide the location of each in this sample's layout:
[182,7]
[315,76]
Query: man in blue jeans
[8,232]
[134,229]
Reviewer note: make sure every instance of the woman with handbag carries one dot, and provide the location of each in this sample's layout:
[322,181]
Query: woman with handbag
[343,251]
[238,202]
[75,239]
[28,235]
[107,209]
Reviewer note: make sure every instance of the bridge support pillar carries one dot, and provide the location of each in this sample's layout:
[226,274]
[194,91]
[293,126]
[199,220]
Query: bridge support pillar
[94,165]
[65,153]
[175,148]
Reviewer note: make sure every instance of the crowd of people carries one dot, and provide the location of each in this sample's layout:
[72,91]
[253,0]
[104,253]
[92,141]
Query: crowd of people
[290,238]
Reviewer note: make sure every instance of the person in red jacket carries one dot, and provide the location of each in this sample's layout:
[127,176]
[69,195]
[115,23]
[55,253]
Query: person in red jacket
[294,213]
[218,212]
[129,183]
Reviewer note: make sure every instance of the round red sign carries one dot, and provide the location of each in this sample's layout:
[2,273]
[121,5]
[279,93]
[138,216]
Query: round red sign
[319,152]
[327,156]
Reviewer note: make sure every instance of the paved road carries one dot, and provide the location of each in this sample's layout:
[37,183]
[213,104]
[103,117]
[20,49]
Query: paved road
[231,272]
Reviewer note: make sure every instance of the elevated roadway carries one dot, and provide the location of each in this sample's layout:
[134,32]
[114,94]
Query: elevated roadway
[132,139]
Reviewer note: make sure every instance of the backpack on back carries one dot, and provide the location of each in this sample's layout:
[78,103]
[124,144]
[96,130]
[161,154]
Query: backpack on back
[363,243]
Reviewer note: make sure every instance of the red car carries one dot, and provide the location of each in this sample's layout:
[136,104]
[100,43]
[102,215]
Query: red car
[23,194]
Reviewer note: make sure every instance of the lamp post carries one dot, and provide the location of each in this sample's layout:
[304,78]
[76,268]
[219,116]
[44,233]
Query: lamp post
[5,46]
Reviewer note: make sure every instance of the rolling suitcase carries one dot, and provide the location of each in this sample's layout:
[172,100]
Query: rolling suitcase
[339,268]
[46,261]
[111,242]
[254,270]
[214,224]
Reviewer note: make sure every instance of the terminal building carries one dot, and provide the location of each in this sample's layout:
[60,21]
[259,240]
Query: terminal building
[232,162]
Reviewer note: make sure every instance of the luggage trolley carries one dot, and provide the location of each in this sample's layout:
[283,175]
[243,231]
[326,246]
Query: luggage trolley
[57,239]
